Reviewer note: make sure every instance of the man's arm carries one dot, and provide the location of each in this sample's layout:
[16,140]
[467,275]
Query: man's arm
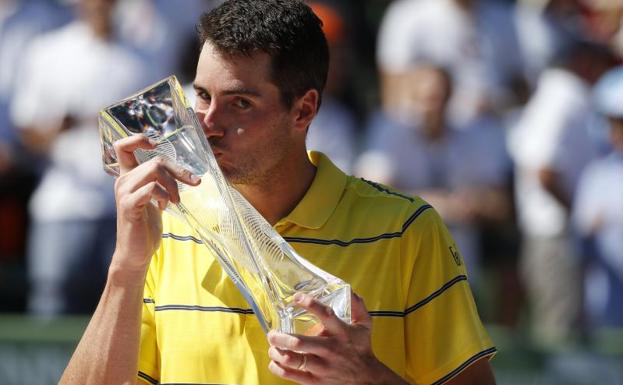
[108,351]
[550,180]
[478,373]
[342,354]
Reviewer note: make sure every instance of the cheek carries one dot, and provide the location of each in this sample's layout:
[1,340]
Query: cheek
[200,104]
[256,124]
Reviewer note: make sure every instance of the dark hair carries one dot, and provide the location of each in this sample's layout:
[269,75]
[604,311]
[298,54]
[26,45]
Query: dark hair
[287,30]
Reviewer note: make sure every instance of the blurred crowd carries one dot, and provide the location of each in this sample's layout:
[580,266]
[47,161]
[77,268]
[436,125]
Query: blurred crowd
[507,116]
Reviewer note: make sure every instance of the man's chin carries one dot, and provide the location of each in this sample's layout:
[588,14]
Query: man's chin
[225,168]
[233,177]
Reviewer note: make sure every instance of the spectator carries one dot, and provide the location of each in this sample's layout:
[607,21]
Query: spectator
[67,77]
[461,172]
[550,145]
[543,28]
[474,39]
[598,213]
[20,22]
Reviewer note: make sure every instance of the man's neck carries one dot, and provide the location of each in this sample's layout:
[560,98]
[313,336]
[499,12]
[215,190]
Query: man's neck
[277,196]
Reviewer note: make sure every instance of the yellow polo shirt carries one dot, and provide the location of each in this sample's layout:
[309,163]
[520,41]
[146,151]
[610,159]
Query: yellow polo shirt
[393,250]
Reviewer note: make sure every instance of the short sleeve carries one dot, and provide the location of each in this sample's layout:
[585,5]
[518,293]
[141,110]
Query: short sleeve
[444,334]
[149,356]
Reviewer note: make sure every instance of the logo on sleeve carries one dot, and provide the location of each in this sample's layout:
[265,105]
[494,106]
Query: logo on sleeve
[456,255]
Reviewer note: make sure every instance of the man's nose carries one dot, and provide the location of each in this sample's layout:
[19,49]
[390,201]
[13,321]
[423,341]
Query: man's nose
[208,119]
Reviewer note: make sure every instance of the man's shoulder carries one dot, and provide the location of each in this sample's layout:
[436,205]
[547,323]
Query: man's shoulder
[379,201]
[377,193]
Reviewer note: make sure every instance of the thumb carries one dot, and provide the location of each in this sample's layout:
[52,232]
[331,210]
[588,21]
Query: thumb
[358,311]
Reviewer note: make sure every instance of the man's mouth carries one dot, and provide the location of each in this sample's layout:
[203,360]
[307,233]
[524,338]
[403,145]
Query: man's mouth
[216,150]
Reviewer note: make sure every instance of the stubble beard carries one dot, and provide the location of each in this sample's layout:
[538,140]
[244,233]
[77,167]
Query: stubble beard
[262,166]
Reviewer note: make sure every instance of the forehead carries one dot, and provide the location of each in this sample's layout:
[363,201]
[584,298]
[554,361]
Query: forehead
[217,69]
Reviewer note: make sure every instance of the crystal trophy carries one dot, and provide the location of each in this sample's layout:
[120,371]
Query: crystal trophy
[263,266]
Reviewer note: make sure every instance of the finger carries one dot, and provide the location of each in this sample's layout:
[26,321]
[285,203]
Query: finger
[182,174]
[359,312]
[297,361]
[297,376]
[124,148]
[317,345]
[325,314]
[143,196]
[162,171]
[155,170]
[288,358]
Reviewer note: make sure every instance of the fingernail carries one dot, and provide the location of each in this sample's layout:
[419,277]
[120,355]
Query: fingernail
[152,142]
[194,178]
[298,297]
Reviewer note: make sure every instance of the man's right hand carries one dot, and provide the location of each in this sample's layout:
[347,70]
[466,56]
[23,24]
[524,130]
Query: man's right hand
[139,224]
[109,349]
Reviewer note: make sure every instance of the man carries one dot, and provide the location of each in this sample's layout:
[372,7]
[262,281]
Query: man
[55,107]
[474,39]
[598,213]
[452,167]
[462,170]
[259,80]
[550,145]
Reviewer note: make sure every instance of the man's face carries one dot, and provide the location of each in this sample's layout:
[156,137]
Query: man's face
[241,113]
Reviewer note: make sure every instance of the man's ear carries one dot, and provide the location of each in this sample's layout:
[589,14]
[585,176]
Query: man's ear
[305,109]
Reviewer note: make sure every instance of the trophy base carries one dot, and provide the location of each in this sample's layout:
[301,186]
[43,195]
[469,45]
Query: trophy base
[295,320]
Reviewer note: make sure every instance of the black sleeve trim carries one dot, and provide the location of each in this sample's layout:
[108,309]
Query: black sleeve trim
[437,293]
[465,364]
[147,378]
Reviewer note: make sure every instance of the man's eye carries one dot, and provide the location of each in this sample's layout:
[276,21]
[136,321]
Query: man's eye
[242,104]
[203,96]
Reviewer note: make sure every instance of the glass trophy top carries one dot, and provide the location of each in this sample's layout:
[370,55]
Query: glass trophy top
[158,111]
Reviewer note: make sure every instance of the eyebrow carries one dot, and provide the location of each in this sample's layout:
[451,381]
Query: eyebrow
[232,91]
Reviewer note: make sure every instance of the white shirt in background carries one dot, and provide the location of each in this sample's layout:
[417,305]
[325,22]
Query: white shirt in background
[71,72]
[552,132]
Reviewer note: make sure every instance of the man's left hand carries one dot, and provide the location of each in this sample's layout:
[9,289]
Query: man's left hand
[340,354]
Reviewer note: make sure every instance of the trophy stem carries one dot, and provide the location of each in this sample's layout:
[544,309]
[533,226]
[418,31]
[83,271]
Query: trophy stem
[213,241]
